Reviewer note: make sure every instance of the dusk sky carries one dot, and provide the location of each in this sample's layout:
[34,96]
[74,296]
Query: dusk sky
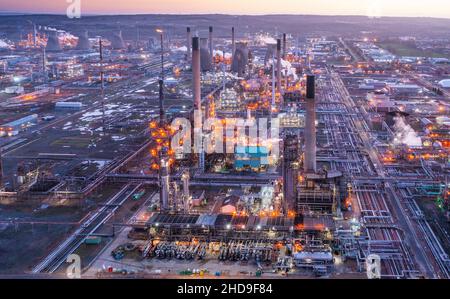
[428,8]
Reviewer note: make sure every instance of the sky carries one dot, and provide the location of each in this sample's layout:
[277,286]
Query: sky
[408,8]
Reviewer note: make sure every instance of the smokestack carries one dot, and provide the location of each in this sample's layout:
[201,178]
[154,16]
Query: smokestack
[44,65]
[34,35]
[310,126]
[196,73]
[279,65]
[1,167]
[211,44]
[233,42]
[164,187]
[284,46]
[161,102]
[290,171]
[185,178]
[102,83]
[189,38]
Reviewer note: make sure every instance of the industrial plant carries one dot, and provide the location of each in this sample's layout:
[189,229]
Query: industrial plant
[169,148]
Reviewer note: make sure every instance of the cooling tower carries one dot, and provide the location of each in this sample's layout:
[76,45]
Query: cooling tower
[53,42]
[117,42]
[205,55]
[83,42]
[240,59]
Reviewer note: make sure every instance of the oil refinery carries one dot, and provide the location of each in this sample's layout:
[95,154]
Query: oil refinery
[219,147]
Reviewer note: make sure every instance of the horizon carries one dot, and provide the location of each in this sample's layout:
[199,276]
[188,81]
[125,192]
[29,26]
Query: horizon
[368,8]
[14,13]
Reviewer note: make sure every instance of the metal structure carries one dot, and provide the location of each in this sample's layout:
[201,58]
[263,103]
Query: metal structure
[196,69]
[279,66]
[211,46]
[188,45]
[233,42]
[310,127]
[290,171]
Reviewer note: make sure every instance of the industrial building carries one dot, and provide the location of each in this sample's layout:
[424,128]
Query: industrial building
[295,155]
[15,127]
[252,158]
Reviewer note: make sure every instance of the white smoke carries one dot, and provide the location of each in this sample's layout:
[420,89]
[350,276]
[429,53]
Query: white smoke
[286,68]
[180,49]
[375,10]
[405,134]
[263,40]
[4,44]
[220,54]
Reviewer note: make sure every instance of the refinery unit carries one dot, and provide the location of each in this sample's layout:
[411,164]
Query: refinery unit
[295,156]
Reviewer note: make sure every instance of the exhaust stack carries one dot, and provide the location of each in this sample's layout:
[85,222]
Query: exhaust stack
[164,186]
[161,103]
[233,41]
[279,65]
[284,46]
[310,126]
[211,44]
[1,167]
[196,73]
[189,38]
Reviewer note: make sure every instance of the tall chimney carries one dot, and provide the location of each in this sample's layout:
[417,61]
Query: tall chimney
[102,83]
[284,46]
[211,44]
[279,65]
[233,42]
[196,73]
[164,185]
[1,167]
[161,103]
[310,126]
[34,35]
[189,38]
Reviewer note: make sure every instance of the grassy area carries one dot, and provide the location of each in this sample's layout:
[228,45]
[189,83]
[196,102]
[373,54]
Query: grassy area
[408,49]
[79,142]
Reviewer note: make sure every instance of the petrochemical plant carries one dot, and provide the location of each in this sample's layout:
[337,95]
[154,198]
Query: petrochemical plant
[221,151]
